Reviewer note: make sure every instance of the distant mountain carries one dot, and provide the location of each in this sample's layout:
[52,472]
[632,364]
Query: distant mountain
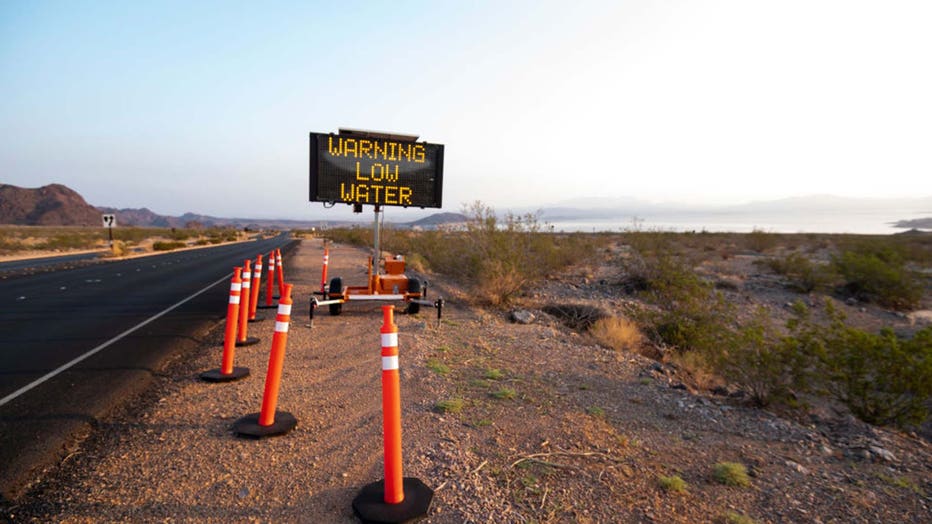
[144,217]
[918,223]
[51,205]
[435,220]
[613,208]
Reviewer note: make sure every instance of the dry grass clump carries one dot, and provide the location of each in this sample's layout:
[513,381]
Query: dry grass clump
[618,333]
[731,474]
[672,484]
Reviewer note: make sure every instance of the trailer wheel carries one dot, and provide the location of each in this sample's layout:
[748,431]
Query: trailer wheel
[414,286]
[336,287]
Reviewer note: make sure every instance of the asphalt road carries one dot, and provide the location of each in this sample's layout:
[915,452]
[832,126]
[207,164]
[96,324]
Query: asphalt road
[49,319]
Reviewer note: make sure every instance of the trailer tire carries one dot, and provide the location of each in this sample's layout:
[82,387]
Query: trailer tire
[336,287]
[414,286]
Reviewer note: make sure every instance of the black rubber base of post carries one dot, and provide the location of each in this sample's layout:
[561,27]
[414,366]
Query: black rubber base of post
[257,319]
[214,375]
[248,342]
[273,306]
[370,505]
[249,427]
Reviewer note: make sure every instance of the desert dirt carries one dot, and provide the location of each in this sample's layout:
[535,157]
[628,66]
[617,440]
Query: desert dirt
[552,426]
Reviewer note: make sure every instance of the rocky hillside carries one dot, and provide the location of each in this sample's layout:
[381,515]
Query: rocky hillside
[51,205]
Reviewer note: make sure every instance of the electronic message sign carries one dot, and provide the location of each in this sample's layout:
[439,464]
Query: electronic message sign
[373,170]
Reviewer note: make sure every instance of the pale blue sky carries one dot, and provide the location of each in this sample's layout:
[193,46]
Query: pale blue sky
[206,106]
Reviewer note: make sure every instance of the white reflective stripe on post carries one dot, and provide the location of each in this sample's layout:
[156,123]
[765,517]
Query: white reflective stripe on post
[258,268]
[246,276]
[281,327]
[246,284]
[284,309]
[236,287]
[389,340]
[389,363]
[234,299]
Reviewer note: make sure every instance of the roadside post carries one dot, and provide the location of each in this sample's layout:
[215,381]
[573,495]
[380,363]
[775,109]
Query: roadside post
[254,290]
[395,498]
[243,338]
[269,422]
[109,220]
[227,372]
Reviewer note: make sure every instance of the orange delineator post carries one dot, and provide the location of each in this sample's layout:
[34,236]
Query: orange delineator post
[276,360]
[394,498]
[254,288]
[391,408]
[271,280]
[323,271]
[269,422]
[242,338]
[281,272]
[227,372]
[229,335]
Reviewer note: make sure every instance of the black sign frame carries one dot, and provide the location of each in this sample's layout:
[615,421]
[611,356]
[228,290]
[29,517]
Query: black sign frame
[324,177]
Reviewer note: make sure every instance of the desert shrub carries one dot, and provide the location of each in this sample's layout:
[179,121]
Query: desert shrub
[453,405]
[493,374]
[803,274]
[673,483]
[505,393]
[733,517]
[618,333]
[882,379]
[119,248]
[878,273]
[770,366]
[77,239]
[580,317]
[690,318]
[438,367]
[498,257]
[731,474]
[760,240]
[181,234]
[355,236]
[167,246]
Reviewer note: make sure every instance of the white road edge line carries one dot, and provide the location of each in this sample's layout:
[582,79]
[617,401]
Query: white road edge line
[103,346]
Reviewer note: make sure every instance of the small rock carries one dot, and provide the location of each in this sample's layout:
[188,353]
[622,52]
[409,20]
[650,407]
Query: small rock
[827,451]
[882,453]
[678,385]
[522,316]
[851,301]
[799,468]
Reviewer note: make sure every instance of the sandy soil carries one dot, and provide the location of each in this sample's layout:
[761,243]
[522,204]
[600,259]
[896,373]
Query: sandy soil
[563,431]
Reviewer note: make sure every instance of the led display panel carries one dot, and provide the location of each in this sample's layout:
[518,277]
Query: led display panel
[358,170]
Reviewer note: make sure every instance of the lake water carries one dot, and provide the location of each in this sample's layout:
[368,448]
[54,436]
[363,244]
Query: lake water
[863,222]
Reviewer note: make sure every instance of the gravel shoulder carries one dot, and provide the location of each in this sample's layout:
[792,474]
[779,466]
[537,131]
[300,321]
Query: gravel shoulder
[544,426]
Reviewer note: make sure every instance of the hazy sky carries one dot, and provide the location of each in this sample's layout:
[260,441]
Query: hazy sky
[206,106]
